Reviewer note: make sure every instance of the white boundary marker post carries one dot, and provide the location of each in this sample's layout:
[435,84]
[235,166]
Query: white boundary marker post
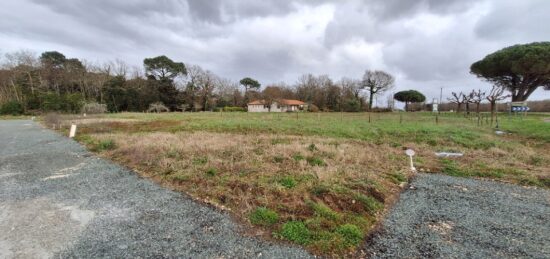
[72,132]
[411,153]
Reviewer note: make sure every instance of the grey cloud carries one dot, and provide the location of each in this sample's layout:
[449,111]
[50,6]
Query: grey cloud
[515,21]
[228,37]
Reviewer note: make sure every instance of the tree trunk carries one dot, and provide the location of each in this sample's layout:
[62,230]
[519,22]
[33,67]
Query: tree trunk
[371,97]
[492,111]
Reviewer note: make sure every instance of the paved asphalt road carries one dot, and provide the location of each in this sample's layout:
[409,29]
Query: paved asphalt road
[58,200]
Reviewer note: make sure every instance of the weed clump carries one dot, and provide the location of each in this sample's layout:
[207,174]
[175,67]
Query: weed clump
[211,172]
[264,217]
[298,157]
[288,182]
[315,161]
[312,147]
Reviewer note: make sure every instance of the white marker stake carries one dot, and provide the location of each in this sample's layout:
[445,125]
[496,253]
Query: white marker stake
[73,131]
[411,153]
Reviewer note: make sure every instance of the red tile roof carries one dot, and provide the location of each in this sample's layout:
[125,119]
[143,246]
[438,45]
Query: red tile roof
[281,101]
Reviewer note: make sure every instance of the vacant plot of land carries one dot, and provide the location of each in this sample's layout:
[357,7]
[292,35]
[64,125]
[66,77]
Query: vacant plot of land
[59,201]
[449,217]
[318,180]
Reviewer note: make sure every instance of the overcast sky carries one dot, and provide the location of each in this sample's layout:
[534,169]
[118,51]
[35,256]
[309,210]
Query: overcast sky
[425,44]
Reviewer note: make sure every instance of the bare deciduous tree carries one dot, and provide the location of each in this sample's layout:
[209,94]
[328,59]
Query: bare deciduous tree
[456,99]
[477,97]
[496,94]
[377,82]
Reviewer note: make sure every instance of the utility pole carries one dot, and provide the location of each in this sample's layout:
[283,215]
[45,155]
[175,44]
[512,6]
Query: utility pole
[440,101]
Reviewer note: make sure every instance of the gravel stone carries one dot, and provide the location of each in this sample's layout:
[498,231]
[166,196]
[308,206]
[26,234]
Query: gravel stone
[450,217]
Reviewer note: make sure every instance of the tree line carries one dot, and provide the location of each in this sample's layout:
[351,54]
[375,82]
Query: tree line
[54,82]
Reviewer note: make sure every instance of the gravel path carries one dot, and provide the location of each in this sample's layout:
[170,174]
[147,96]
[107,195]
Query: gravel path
[449,217]
[58,200]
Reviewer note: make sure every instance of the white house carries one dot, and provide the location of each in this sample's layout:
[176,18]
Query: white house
[281,105]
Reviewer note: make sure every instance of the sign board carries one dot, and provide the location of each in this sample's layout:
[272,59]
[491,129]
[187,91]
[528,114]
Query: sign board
[520,108]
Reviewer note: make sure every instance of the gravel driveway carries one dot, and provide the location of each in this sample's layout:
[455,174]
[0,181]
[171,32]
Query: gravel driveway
[449,217]
[58,200]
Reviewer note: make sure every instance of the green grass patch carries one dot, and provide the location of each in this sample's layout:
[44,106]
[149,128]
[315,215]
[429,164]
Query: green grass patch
[322,210]
[107,144]
[370,204]
[263,216]
[352,235]
[297,232]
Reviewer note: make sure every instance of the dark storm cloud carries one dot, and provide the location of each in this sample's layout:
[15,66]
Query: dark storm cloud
[426,43]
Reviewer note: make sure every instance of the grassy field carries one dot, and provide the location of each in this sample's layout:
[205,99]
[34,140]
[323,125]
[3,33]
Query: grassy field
[321,180]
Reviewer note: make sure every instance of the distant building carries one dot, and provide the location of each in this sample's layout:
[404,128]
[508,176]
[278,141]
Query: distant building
[280,105]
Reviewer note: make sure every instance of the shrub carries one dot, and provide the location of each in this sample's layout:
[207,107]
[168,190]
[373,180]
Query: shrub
[11,108]
[312,108]
[157,107]
[352,234]
[107,144]
[264,217]
[233,109]
[312,147]
[297,232]
[287,182]
[94,108]
[52,101]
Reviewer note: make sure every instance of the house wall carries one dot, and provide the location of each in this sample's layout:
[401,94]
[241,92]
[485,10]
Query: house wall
[261,108]
[274,108]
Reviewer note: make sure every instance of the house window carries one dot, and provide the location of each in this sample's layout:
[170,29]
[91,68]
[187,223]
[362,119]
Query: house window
[266,106]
